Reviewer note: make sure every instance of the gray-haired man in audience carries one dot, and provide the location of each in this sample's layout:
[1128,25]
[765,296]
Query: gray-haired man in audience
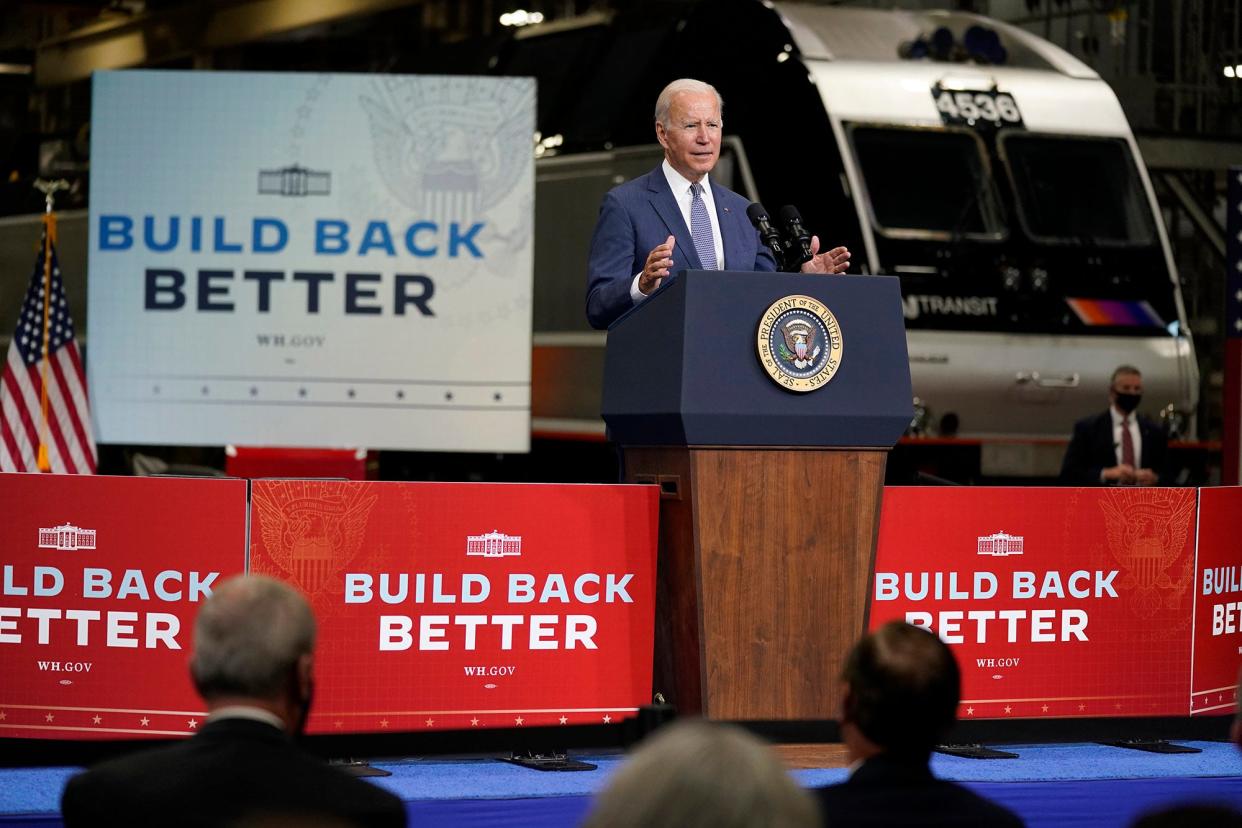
[696,774]
[253,664]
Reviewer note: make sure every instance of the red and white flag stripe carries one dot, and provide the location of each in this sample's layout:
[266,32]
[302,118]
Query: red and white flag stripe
[70,442]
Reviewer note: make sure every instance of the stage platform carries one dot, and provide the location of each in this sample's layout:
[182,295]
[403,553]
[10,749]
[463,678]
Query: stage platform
[1061,785]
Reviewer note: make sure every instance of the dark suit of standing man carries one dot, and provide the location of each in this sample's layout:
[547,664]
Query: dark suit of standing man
[1118,447]
[902,690]
[675,217]
[252,663]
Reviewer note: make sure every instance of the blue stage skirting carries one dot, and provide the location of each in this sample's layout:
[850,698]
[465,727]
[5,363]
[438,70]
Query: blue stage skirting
[1049,785]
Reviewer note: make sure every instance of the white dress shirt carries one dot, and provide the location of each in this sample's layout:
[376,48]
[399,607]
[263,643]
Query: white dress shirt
[245,711]
[684,197]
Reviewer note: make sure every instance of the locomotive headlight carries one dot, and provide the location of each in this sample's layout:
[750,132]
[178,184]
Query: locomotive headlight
[1039,280]
[1011,278]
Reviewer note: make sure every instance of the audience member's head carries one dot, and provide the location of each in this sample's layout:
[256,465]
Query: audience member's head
[253,644]
[1125,388]
[695,773]
[901,695]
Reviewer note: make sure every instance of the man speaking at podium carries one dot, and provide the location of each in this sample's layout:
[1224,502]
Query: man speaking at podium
[675,217]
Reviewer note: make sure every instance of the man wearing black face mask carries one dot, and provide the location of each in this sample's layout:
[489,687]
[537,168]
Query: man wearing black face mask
[253,663]
[1118,447]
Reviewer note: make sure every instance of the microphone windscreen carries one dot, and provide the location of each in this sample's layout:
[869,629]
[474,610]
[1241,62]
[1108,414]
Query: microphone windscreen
[789,213]
[756,213]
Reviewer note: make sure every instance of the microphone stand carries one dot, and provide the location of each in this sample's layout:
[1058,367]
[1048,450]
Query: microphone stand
[770,236]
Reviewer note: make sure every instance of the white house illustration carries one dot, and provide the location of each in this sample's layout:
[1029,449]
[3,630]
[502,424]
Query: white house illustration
[1000,544]
[494,545]
[66,537]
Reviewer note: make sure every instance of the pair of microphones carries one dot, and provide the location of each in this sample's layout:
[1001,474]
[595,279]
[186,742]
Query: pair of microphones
[788,240]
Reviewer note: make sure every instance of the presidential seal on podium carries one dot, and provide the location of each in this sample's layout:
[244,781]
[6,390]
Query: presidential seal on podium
[799,343]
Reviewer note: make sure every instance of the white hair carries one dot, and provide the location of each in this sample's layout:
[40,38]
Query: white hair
[696,774]
[665,101]
[248,636]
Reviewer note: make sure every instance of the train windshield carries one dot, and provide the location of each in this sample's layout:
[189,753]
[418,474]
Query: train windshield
[928,183]
[1075,190]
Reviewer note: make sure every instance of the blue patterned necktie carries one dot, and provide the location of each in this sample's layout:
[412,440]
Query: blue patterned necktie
[701,228]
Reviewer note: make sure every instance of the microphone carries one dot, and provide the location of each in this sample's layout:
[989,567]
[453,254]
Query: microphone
[797,240]
[771,237]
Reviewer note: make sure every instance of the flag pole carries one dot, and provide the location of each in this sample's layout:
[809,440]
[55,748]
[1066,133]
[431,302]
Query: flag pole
[48,188]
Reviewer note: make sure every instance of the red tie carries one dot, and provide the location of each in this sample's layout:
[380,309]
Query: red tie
[1127,443]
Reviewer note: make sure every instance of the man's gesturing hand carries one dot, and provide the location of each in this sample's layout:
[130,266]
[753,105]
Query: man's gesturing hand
[836,260]
[658,263]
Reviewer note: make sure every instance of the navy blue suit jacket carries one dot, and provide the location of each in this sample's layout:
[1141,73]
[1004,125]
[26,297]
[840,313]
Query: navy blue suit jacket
[1092,449]
[638,217]
[887,792]
[231,770]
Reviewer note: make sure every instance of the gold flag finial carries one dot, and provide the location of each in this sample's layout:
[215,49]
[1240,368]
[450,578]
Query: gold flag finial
[49,188]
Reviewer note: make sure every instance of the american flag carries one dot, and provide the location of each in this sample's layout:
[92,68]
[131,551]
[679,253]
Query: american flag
[59,421]
[1232,443]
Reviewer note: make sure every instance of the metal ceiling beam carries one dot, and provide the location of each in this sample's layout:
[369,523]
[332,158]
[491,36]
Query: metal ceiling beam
[1199,216]
[1179,153]
[162,36]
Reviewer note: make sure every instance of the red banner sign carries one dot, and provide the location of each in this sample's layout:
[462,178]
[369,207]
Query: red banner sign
[101,580]
[1218,603]
[452,606]
[445,606]
[1057,602]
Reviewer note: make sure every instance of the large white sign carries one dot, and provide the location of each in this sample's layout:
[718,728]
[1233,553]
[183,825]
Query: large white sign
[311,260]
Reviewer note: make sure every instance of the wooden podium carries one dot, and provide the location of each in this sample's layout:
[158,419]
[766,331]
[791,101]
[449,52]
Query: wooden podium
[770,499]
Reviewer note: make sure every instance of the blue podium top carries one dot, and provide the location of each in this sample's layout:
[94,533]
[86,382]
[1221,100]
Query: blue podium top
[683,367]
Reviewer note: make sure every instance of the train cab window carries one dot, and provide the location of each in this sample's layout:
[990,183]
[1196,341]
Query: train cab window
[1077,190]
[928,183]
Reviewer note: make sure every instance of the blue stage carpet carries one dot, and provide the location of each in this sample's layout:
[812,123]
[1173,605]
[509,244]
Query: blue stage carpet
[1062,785]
